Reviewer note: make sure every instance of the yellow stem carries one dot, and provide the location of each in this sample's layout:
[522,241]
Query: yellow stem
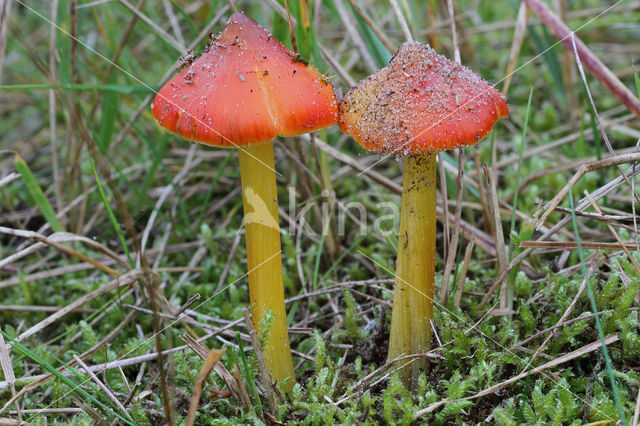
[415,266]
[264,260]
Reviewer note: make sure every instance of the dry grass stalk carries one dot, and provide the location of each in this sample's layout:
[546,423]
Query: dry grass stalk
[501,250]
[5,421]
[179,47]
[465,267]
[401,20]
[453,244]
[591,61]
[433,33]
[212,359]
[444,198]
[35,308]
[241,387]
[124,280]
[615,234]
[291,28]
[220,369]
[516,44]
[583,170]
[102,386]
[383,38]
[454,33]
[66,237]
[265,377]
[568,72]
[186,304]
[5,13]
[42,379]
[352,30]
[572,245]
[9,376]
[70,410]
[488,223]
[56,238]
[37,380]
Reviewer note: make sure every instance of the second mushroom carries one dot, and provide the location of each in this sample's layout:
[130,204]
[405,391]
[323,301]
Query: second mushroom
[418,104]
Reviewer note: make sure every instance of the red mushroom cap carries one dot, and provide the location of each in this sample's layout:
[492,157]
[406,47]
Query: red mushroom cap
[245,88]
[421,102]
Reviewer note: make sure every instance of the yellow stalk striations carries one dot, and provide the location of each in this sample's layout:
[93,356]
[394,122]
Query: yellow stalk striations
[415,266]
[264,259]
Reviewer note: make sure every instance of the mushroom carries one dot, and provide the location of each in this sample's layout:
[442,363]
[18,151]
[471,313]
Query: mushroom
[417,105]
[244,90]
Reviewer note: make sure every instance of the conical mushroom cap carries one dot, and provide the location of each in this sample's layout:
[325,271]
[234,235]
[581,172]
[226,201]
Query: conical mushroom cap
[421,102]
[245,88]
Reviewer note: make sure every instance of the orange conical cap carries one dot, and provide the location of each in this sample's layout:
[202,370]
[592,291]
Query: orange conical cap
[421,102]
[245,88]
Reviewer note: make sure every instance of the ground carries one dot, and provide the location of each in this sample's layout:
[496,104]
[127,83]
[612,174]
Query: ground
[111,226]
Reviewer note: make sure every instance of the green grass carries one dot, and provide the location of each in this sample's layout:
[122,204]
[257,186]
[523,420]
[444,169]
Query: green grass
[111,179]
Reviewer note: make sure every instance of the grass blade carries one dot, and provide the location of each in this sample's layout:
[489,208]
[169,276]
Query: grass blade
[520,153]
[109,112]
[37,195]
[542,44]
[316,267]
[121,89]
[596,317]
[248,376]
[75,387]
[112,216]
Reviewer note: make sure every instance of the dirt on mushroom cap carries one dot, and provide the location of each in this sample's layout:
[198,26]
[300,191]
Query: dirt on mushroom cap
[245,88]
[421,102]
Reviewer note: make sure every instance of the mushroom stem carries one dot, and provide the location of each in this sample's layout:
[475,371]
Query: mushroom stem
[415,266]
[264,259]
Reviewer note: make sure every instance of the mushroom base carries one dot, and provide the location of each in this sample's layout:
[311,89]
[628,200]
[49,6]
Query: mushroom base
[415,267]
[264,258]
